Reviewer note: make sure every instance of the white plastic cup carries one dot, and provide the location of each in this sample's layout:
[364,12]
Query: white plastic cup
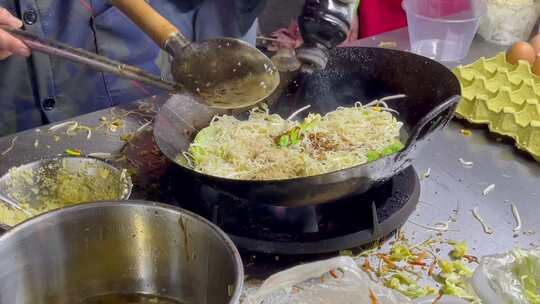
[443,29]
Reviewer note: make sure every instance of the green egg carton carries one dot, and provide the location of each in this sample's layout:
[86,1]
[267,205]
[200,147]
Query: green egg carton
[504,96]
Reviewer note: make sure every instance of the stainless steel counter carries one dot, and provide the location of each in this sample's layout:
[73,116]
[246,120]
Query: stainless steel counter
[452,191]
[516,175]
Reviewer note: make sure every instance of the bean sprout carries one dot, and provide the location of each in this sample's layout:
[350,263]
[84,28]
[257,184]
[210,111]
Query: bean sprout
[61,125]
[72,128]
[488,189]
[11,146]
[88,130]
[188,159]
[440,226]
[397,96]
[382,102]
[70,131]
[143,126]
[298,112]
[485,227]
[515,212]
[426,174]
[467,164]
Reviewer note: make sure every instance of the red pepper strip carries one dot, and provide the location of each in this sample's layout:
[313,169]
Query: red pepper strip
[471,259]
[417,263]
[333,274]
[438,298]
[373,297]
[367,266]
[419,260]
[387,260]
[432,268]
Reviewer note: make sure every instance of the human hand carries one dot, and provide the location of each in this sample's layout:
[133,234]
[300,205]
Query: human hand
[10,45]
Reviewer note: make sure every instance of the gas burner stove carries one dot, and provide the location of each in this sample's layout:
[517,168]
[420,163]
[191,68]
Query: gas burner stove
[340,225]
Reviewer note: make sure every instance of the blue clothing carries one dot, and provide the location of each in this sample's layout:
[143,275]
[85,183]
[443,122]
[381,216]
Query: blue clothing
[43,89]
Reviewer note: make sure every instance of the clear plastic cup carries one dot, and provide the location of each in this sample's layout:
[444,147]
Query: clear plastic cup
[443,29]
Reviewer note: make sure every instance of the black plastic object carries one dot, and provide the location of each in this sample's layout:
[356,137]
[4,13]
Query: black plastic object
[324,24]
[353,74]
[357,221]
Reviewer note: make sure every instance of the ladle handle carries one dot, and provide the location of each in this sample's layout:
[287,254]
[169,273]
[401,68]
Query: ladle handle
[151,22]
[97,62]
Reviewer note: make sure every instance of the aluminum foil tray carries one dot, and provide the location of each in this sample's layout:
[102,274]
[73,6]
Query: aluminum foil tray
[506,97]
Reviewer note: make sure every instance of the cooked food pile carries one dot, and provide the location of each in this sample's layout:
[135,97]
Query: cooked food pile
[269,147]
[58,185]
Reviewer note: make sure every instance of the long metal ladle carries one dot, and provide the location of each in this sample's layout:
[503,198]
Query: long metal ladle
[223,73]
[92,60]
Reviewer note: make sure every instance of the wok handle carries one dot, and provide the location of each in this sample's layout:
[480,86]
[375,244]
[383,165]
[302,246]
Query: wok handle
[151,22]
[434,120]
[94,61]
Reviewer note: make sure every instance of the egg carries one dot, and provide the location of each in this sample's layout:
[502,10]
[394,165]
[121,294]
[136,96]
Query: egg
[536,66]
[535,42]
[521,50]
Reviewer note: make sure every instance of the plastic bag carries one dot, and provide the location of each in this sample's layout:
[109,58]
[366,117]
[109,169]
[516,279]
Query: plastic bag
[335,281]
[513,277]
[506,22]
[312,283]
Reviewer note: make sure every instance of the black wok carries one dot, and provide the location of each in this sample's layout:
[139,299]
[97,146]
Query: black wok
[352,74]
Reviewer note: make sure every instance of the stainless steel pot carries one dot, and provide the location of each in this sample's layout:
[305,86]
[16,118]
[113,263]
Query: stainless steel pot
[69,255]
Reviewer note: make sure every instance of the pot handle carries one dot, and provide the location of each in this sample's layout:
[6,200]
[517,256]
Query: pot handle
[434,120]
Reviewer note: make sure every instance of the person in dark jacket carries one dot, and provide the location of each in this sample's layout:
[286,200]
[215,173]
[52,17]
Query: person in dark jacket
[36,89]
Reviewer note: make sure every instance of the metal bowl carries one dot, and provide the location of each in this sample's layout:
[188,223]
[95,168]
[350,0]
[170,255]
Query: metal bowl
[70,255]
[53,183]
